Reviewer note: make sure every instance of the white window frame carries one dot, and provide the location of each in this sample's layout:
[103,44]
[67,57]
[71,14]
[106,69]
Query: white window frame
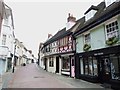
[115,31]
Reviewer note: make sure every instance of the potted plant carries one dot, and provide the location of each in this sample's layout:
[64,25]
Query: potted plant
[86,47]
[112,40]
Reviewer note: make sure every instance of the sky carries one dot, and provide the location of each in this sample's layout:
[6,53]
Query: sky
[35,19]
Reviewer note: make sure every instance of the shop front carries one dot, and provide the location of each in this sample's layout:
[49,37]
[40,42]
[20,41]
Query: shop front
[101,65]
[65,65]
[68,65]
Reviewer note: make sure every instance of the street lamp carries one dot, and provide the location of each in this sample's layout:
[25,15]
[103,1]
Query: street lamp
[13,59]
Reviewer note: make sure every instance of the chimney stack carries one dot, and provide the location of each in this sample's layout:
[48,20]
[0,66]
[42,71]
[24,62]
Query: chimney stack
[49,35]
[70,21]
[71,18]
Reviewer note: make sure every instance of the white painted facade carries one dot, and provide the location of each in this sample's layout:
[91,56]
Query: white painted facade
[29,57]
[6,39]
[24,57]
[41,57]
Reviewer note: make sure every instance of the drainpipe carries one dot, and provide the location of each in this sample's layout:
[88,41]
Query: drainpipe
[13,59]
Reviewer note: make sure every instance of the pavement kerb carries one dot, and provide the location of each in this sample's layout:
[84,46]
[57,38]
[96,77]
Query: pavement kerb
[69,78]
[8,78]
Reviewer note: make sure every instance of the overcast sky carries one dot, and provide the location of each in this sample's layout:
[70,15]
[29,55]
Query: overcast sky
[34,19]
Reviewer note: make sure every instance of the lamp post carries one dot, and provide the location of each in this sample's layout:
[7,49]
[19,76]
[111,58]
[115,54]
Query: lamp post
[13,59]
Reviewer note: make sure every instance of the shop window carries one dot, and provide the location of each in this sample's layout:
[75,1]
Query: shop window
[81,66]
[95,68]
[51,62]
[86,66]
[66,63]
[90,66]
[115,72]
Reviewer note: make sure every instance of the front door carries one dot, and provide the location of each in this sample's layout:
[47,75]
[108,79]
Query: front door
[72,67]
[57,64]
[45,64]
[105,69]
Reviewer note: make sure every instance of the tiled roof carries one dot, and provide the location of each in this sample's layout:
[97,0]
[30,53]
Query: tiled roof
[56,36]
[102,15]
[62,33]
[91,8]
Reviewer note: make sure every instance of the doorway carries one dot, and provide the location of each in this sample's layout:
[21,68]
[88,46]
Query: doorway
[57,64]
[72,67]
[105,73]
[45,63]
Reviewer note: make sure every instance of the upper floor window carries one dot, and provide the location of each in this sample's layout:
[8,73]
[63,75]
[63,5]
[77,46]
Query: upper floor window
[54,43]
[108,2]
[70,39]
[62,42]
[90,14]
[65,40]
[6,21]
[48,48]
[112,30]
[4,39]
[87,38]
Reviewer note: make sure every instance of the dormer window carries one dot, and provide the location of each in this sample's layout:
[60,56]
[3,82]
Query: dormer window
[109,2]
[90,14]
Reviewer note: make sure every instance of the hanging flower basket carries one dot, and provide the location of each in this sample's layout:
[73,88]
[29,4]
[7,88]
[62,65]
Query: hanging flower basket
[86,47]
[112,40]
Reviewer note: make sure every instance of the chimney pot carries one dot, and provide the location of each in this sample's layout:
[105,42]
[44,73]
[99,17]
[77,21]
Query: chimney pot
[49,35]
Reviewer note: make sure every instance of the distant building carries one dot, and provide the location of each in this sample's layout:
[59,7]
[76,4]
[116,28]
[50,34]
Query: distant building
[2,11]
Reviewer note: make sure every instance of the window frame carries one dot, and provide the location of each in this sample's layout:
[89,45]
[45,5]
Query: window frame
[86,41]
[4,38]
[116,30]
[90,14]
[83,71]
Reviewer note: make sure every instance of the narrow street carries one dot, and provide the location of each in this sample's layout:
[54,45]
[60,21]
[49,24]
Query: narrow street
[30,76]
